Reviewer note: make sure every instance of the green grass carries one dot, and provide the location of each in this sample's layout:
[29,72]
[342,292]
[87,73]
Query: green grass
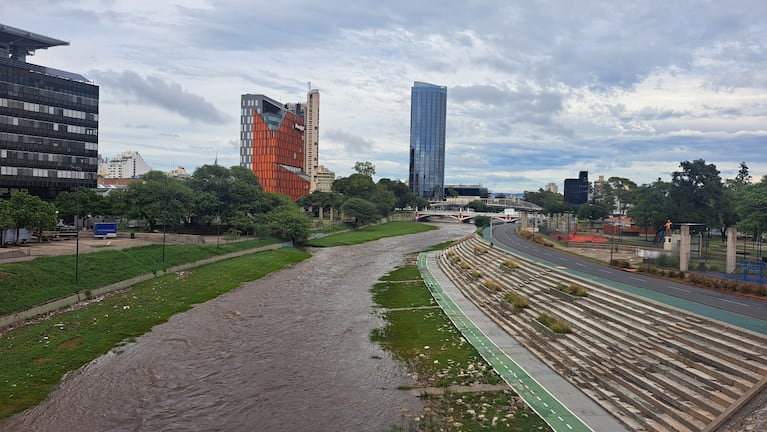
[572,289]
[26,284]
[370,233]
[36,356]
[429,344]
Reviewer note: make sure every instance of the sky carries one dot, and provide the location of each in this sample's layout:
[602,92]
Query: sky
[537,90]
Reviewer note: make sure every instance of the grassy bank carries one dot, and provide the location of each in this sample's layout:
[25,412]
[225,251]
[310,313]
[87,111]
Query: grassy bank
[370,233]
[36,356]
[422,337]
[26,284]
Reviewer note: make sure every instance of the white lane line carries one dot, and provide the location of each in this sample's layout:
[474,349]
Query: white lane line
[678,289]
[604,271]
[581,264]
[737,303]
[636,279]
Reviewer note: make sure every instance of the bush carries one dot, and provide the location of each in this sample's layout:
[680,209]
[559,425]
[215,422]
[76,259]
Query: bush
[464,265]
[492,285]
[475,273]
[517,301]
[511,264]
[553,323]
[572,289]
[620,263]
[479,250]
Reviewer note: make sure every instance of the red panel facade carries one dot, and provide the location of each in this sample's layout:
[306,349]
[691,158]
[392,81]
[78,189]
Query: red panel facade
[274,148]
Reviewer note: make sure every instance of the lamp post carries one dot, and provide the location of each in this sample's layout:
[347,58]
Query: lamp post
[612,238]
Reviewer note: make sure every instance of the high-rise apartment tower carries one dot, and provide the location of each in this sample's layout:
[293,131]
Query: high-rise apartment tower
[49,121]
[312,136]
[428,109]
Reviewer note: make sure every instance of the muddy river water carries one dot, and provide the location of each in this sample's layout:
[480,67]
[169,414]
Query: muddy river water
[289,352]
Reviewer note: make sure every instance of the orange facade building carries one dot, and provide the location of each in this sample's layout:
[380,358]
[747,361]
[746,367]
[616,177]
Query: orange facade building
[272,145]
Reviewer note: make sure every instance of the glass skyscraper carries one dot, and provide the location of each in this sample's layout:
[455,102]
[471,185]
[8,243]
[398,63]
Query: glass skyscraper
[428,106]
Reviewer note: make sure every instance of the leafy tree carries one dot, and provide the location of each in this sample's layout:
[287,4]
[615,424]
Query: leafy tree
[360,211]
[695,192]
[289,223]
[365,168]
[384,200]
[81,201]
[500,196]
[652,205]
[451,193]
[481,221]
[550,201]
[355,186]
[402,194]
[30,212]
[159,199]
[478,206]
[751,207]
[226,193]
[622,189]
[591,211]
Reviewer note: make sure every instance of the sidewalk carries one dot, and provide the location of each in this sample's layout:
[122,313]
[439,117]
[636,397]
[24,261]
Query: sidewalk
[563,406]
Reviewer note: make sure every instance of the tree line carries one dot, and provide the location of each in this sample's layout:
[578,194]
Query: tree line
[696,193]
[213,198]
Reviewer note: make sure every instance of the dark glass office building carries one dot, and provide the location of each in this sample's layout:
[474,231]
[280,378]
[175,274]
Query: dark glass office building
[577,190]
[48,121]
[428,107]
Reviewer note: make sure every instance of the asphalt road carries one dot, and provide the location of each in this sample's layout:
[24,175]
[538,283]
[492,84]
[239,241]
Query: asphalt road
[507,236]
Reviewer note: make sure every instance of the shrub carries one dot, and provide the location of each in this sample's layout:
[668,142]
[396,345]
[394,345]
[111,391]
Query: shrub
[480,250]
[492,285]
[475,273]
[517,301]
[451,252]
[511,264]
[572,289]
[620,263]
[553,323]
[464,265]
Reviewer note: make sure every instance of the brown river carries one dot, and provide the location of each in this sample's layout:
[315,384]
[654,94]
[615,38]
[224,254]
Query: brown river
[289,352]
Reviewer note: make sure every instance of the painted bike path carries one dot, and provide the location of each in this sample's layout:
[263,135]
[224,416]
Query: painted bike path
[531,379]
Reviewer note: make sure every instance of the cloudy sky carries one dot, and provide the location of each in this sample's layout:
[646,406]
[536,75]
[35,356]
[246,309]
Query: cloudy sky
[537,90]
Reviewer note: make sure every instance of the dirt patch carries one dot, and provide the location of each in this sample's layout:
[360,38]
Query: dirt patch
[41,360]
[70,344]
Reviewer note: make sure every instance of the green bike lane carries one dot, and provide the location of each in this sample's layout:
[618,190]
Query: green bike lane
[500,350]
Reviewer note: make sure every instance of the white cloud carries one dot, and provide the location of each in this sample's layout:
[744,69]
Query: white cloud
[537,91]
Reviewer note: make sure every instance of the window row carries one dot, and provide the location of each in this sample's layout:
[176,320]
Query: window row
[32,142]
[53,97]
[47,109]
[48,157]
[37,172]
[48,126]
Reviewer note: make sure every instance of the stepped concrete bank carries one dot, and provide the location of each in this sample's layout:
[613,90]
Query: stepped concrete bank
[655,367]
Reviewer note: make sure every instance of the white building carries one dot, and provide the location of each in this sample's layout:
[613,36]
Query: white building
[127,164]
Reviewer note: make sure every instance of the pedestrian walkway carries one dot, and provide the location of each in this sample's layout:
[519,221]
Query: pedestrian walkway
[559,403]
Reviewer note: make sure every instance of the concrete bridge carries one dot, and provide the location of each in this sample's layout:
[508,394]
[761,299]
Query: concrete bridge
[464,214]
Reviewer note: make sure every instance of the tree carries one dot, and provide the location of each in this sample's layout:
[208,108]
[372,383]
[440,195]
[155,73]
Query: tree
[550,201]
[751,207]
[402,194]
[652,205]
[159,199]
[81,201]
[289,223]
[481,221]
[622,189]
[30,212]
[355,186]
[591,211]
[478,206]
[365,168]
[360,211]
[695,192]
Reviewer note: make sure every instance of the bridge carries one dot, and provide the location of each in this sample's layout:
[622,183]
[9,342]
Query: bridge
[464,215]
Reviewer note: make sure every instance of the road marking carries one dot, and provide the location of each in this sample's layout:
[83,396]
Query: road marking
[604,271]
[581,264]
[678,289]
[737,303]
[636,279]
